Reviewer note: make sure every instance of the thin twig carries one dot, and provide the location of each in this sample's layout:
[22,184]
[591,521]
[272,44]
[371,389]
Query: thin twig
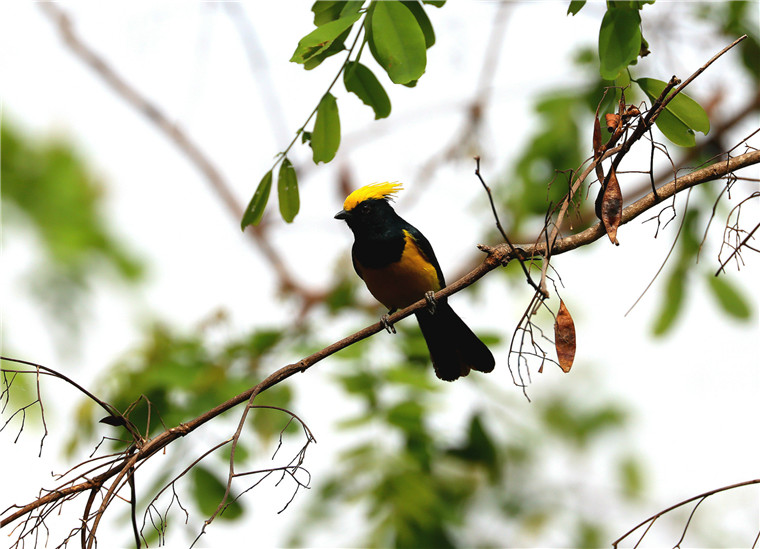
[182,141]
[684,502]
[495,257]
[736,250]
[501,229]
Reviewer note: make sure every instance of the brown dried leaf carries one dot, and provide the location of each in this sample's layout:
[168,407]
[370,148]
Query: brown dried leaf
[597,138]
[598,149]
[564,337]
[612,208]
[613,121]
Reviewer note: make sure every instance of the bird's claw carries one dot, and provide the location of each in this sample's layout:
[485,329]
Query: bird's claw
[387,325]
[430,301]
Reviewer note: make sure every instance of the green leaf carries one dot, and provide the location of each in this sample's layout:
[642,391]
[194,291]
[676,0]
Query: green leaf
[729,298]
[255,209]
[352,6]
[675,130]
[435,3]
[49,182]
[619,41]
[356,421]
[398,42]
[325,138]
[682,108]
[588,534]
[623,81]
[320,39]
[672,303]
[631,477]
[261,341]
[287,191]
[416,378]
[629,4]
[479,447]
[341,295]
[362,81]
[208,492]
[268,423]
[575,7]
[359,383]
[407,416]
[326,11]
[422,20]
[337,46]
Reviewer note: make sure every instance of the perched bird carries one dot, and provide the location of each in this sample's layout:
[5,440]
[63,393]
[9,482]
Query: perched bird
[399,267]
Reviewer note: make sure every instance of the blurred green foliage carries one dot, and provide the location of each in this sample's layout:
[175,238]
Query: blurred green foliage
[47,187]
[682,273]
[177,376]
[733,19]
[416,486]
[558,145]
[414,481]
[174,377]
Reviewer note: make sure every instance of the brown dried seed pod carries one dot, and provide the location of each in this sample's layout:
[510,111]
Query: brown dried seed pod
[612,208]
[564,337]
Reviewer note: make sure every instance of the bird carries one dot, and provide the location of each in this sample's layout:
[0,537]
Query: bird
[399,267]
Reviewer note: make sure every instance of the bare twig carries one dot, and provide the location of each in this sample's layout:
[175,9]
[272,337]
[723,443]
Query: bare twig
[701,497]
[501,229]
[667,256]
[182,141]
[496,256]
[109,478]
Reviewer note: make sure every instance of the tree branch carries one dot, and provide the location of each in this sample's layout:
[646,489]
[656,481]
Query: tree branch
[699,497]
[121,469]
[183,142]
[708,173]
[496,256]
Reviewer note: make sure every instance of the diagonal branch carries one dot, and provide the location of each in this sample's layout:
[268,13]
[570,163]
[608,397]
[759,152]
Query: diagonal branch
[708,173]
[496,256]
[182,141]
[701,497]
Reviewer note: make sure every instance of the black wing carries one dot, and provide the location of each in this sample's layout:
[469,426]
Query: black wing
[426,250]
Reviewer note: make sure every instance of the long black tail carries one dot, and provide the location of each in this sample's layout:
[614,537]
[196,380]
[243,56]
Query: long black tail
[454,348]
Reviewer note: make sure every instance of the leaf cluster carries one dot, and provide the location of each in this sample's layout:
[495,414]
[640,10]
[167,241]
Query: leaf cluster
[47,186]
[397,34]
[178,376]
[422,482]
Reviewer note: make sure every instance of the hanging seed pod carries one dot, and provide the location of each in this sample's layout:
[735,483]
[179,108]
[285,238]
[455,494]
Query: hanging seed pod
[564,337]
[612,208]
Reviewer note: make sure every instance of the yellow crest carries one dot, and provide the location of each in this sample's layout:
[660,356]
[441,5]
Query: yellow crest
[377,191]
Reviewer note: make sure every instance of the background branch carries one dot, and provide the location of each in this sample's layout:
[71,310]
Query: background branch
[190,149]
[108,477]
[496,256]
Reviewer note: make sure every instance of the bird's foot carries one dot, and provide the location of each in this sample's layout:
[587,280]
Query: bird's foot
[430,302]
[387,325]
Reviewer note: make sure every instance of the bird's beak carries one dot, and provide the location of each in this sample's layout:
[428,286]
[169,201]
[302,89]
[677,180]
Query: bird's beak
[343,214]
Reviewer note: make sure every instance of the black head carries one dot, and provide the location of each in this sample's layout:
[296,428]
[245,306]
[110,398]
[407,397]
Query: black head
[372,217]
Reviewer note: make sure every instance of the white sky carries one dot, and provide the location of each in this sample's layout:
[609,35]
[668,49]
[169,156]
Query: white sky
[694,393]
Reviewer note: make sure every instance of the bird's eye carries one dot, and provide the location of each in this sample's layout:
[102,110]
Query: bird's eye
[365,209]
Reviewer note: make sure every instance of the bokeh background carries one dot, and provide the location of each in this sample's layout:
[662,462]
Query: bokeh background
[123,269]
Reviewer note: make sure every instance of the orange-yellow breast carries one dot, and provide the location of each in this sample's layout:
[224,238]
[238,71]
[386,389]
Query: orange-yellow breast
[400,284]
